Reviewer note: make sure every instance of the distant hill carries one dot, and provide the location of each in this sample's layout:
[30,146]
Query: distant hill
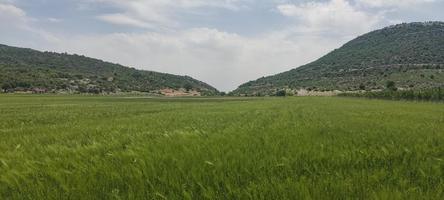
[30,70]
[411,55]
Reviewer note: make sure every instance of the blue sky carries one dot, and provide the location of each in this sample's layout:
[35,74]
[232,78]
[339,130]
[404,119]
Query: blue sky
[222,42]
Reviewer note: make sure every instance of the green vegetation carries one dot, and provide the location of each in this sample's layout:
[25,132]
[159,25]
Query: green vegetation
[391,86]
[281,93]
[391,92]
[411,55]
[72,147]
[436,94]
[41,72]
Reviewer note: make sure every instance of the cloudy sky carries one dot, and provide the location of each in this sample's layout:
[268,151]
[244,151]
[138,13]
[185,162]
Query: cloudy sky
[222,42]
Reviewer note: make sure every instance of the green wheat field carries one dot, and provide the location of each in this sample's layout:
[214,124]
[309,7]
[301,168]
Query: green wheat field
[74,147]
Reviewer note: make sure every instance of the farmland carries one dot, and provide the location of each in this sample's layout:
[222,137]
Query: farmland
[91,147]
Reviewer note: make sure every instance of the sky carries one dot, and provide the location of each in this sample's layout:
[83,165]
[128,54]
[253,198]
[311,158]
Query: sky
[222,42]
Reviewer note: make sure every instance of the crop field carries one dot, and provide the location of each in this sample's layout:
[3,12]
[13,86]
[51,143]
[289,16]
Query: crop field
[74,147]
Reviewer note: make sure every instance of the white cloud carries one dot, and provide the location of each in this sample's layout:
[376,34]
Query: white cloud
[393,3]
[121,19]
[163,13]
[54,20]
[10,13]
[17,27]
[337,17]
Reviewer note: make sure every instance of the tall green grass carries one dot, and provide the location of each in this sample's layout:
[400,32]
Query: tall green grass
[55,147]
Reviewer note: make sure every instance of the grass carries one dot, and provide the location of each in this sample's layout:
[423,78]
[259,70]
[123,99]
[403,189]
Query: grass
[72,147]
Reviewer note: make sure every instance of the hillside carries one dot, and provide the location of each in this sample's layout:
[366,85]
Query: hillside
[411,55]
[30,70]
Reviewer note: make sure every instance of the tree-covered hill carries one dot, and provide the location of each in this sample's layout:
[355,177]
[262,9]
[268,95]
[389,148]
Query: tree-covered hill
[411,55]
[30,70]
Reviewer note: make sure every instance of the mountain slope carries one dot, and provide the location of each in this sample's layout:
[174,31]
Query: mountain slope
[411,55]
[26,69]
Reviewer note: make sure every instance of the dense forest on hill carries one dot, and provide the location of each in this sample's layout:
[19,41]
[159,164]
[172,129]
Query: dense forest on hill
[411,55]
[30,70]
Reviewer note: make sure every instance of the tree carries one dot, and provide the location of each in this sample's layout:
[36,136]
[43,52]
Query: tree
[188,87]
[391,86]
[281,93]
[8,85]
[5,87]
